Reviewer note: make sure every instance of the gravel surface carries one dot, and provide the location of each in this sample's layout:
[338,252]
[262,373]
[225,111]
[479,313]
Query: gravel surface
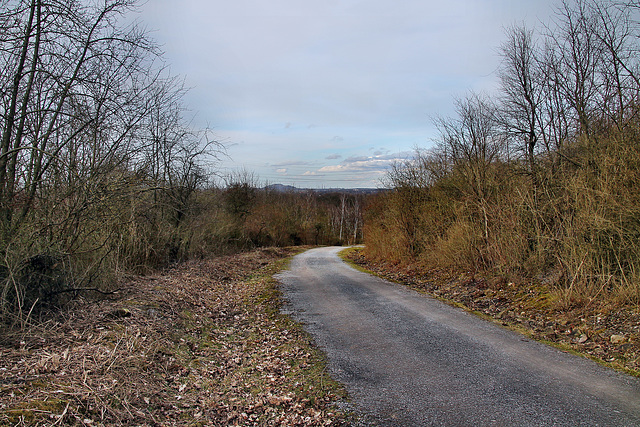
[407,359]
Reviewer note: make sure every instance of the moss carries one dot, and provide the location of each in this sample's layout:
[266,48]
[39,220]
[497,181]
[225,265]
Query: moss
[34,410]
[223,351]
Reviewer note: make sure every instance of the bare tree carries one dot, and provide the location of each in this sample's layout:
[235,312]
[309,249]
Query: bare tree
[522,92]
[617,33]
[472,141]
[73,87]
[573,60]
[90,123]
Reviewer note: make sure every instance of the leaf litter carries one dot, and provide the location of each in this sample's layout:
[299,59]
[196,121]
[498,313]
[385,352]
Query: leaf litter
[605,333]
[202,344]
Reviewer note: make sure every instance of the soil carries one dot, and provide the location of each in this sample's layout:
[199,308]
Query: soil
[606,333]
[201,344]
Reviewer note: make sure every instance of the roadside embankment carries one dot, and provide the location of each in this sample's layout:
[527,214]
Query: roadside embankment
[201,344]
[607,334]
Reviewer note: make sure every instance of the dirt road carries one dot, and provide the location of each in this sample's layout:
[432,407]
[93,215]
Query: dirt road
[408,359]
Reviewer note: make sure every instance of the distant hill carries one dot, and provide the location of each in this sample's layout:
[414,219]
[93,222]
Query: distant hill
[281,188]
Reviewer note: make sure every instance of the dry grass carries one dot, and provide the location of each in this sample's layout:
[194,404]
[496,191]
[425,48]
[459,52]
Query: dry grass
[605,332]
[201,344]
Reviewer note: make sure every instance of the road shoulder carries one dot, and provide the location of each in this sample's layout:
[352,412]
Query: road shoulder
[203,343]
[607,336]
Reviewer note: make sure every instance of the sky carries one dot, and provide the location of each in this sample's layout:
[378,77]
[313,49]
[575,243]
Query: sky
[329,93]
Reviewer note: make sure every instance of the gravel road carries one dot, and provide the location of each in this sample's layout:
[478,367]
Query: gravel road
[408,360]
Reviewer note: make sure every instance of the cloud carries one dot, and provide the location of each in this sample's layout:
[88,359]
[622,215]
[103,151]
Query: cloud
[291,79]
[282,171]
[331,62]
[353,159]
[333,157]
[356,164]
[291,163]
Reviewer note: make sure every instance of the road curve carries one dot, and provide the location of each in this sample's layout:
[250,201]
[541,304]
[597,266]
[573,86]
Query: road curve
[407,359]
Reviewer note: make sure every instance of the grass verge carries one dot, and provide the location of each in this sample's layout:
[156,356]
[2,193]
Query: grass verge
[606,335]
[201,344]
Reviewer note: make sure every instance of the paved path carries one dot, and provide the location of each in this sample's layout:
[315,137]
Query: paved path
[408,359]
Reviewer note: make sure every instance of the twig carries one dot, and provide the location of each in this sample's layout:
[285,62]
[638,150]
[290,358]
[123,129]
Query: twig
[575,276]
[63,414]
[87,289]
[26,320]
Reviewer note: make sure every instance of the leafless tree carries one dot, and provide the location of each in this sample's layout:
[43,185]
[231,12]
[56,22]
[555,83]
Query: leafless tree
[522,87]
[90,122]
[617,33]
[71,97]
[472,141]
[577,61]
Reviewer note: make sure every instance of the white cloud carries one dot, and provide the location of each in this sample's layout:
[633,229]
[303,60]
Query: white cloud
[310,80]
[366,163]
[291,163]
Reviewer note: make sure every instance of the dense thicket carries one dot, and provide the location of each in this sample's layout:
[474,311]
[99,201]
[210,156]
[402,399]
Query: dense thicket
[100,174]
[253,216]
[543,181]
[98,169]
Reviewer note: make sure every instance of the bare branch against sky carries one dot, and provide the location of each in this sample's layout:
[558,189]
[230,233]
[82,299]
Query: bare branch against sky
[329,93]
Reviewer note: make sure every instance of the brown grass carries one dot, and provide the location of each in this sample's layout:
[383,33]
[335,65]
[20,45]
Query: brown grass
[605,332]
[201,344]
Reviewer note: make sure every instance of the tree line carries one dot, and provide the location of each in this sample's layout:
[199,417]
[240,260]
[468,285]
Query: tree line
[101,172]
[95,151]
[265,216]
[541,181]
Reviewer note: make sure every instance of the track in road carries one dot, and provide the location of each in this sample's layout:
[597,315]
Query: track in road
[407,359]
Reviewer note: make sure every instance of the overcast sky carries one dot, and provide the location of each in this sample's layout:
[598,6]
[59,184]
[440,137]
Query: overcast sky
[327,93]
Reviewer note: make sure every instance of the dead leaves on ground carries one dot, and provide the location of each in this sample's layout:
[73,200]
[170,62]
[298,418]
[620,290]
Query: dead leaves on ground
[608,335]
[202,344]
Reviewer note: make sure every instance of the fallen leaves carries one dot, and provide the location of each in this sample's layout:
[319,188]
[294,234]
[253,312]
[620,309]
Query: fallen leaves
[202,344]
[610,335]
